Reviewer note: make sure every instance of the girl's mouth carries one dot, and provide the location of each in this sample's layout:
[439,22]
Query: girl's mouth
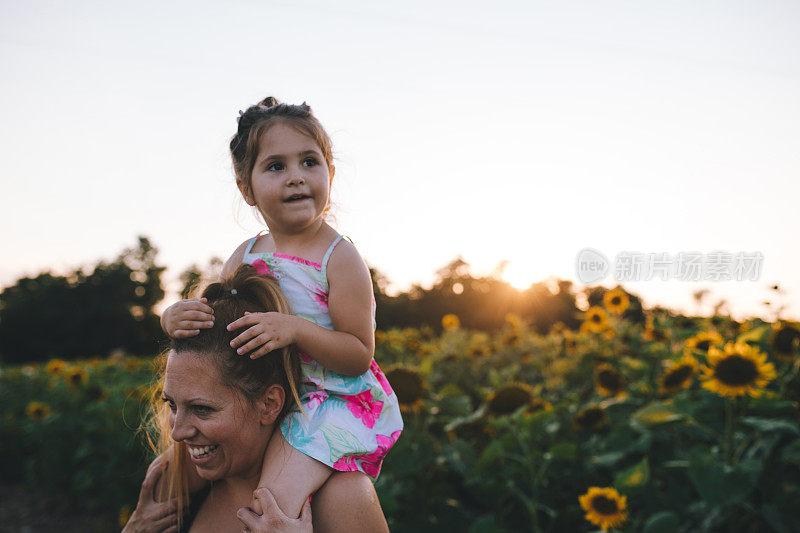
[297,198]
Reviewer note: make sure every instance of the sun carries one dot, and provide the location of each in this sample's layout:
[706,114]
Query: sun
[520,275]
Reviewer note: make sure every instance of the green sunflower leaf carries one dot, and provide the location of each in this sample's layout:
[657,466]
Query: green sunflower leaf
[634,477]
[767,425]
[663,522]
[656,413]
[755,335]
[720,484]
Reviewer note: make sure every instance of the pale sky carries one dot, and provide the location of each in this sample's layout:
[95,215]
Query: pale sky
[520,131]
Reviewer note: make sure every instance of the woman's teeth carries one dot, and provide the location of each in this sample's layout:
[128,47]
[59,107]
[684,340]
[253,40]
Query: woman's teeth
[201,451]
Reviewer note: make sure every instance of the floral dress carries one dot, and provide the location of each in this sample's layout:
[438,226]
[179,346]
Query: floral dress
[350,422]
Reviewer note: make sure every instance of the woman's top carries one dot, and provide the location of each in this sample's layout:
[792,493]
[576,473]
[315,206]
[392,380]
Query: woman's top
[347,422]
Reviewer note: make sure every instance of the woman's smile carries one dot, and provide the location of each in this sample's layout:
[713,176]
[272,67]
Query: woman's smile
[202,455]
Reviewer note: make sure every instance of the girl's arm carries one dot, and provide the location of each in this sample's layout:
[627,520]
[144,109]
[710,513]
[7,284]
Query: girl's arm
[349,349]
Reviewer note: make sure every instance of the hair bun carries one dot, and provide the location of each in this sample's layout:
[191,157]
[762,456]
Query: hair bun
[269,101]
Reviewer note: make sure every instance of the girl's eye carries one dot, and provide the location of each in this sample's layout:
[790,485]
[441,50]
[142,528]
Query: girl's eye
[310,162]
[275,166]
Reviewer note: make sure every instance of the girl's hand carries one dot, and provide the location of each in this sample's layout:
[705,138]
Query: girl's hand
[186,318]
[151,516]
[267,332]
[273,519]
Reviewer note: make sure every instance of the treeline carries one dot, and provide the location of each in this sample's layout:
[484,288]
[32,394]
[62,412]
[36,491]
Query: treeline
[112,307]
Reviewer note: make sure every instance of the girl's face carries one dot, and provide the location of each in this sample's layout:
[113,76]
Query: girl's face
[290,182]
[225,434]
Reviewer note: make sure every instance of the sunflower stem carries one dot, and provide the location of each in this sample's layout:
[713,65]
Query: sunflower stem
[730,420]
[788,375]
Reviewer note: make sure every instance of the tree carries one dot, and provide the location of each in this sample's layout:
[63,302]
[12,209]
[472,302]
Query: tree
[84,314]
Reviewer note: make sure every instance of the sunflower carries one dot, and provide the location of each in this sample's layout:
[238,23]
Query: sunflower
[608,381]
[479,345]
[703,341]
[570,342]
[509,398]
[785,341]
[380,337]
[55,366]
[537,404]
[616,301]
[604,507]
[76,376]
[514,321]
[96,393]
[38,411]
[510,339]
[596,320]
[592,418]
[651,333]
[450,322]
[740,369]
[678,375]
[408,385]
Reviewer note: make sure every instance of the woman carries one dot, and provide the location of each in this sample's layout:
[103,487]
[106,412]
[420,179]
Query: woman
[218,414]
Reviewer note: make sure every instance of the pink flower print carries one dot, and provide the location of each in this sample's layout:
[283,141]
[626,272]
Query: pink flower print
[376,371]
[370,462]
[316,397]
[303,357]
[320,295]
[346,463]
[262,267]
[362,406]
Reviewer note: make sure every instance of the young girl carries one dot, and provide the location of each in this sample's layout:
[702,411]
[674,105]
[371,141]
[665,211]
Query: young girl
[350,417]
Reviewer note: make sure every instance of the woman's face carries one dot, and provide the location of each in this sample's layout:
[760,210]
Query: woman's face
[225,434]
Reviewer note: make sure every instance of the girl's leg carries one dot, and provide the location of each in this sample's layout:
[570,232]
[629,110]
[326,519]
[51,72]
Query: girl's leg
[290,475]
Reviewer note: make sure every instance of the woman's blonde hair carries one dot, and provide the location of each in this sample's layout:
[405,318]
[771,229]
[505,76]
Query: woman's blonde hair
[245,290]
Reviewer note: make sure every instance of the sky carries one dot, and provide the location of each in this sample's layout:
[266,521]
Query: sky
[512,131]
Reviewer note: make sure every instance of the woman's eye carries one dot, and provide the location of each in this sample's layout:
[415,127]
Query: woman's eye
[203,409]
[170,402]
[275,166]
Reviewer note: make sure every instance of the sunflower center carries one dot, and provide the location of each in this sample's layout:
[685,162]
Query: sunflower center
[604,505]
[678,376]
[591,417]
[509,399]
[736,370]
[610,379]
[786,340]
[616,300]
[596,318]
[704,345]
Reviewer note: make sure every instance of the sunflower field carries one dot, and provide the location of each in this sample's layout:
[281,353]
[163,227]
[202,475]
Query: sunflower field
[677,424]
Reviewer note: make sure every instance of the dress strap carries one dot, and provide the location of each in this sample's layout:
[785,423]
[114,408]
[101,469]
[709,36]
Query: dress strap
[328,256]
[252,242]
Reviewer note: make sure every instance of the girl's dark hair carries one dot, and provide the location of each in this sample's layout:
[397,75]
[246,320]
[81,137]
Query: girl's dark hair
[245,290]
[258,118]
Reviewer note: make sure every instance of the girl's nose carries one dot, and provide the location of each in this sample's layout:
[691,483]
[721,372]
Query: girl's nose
[296,179]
